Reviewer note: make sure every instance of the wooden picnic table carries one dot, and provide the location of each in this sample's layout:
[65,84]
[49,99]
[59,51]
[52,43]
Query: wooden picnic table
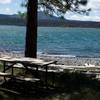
[9,62]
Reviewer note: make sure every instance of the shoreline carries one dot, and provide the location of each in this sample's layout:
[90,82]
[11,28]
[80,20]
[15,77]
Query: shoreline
[76,61]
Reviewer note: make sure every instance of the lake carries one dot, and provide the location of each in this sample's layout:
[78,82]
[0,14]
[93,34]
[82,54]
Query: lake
[60,41]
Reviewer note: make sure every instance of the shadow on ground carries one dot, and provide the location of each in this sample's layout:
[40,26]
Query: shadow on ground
[67,86]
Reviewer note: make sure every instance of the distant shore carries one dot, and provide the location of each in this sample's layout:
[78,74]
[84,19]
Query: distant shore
[60,60]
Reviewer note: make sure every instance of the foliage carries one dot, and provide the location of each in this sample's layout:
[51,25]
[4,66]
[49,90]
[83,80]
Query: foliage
[22,15]
[59,7]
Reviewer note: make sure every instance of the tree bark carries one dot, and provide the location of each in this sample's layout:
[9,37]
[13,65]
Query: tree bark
[31,29]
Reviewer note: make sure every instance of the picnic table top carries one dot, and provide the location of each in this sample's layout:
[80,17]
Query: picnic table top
[26,60]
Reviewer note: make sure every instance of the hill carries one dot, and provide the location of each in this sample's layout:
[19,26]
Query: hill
[47,21]
[11,20]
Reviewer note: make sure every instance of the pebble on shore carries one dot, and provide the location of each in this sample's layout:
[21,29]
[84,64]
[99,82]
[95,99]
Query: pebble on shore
[76,61]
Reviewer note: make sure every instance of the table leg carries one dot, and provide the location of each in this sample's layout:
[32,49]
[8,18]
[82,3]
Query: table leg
[37,71]
[46,77]
[12,71]
[4,68]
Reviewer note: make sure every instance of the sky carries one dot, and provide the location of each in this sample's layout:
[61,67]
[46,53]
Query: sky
[94,15]
[13,6]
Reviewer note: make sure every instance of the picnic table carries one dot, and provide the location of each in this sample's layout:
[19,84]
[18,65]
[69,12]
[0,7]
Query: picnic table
[9,62]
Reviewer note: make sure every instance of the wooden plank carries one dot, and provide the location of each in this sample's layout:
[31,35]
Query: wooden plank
[9,91]
[6,58]
[27,60]
[74,67]
[20,66]
[27,79]
[46,63]
[5,74]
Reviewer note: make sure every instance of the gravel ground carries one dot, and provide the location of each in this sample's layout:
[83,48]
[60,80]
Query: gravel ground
[61,60]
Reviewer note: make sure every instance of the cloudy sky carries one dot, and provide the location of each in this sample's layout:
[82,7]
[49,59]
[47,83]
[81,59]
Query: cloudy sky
[94,15]
[13,6]
[10,6]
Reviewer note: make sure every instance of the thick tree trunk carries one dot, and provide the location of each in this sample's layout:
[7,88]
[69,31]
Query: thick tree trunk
[31,31]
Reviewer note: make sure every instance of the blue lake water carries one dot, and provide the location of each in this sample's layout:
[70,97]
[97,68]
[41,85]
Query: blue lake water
[54,40]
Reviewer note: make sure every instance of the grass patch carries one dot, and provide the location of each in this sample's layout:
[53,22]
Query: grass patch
[16,70]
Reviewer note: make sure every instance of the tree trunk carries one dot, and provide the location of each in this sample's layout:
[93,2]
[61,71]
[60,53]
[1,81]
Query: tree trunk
[31,31]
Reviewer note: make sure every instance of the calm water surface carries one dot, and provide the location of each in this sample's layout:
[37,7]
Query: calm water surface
[54,40]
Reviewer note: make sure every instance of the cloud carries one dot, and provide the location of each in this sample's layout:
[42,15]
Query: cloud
[8,11]
[94,4]
[5,1]
[93,16]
